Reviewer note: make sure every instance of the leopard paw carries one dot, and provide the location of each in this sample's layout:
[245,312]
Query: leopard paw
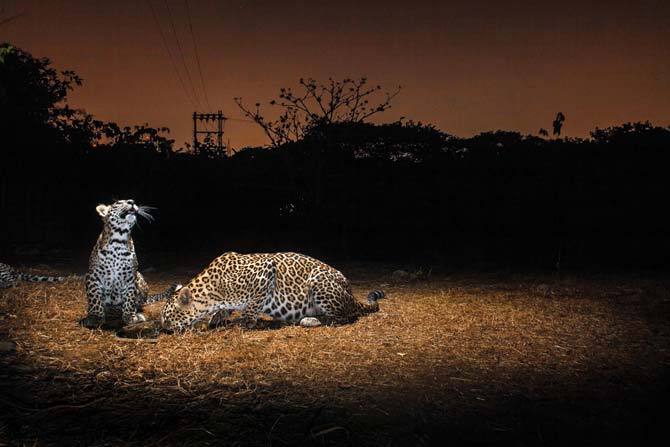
[92,322]
[249,323]
[137,318]
[219,318]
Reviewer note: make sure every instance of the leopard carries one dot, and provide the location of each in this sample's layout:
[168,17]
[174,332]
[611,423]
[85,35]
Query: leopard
[289,287]
[9,277]
[113,280]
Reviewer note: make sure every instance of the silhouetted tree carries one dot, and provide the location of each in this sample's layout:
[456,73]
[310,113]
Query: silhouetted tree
[142,137]
[558,123]
[399,141]
[331,102]
[34,95]
[543,132]
[33,101]
[5,50]
[636,133]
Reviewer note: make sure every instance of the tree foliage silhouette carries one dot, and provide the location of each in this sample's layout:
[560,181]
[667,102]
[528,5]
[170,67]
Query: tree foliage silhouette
[32,93]
[558,123]
[110,135]
[33,101]
[5,50]
[348,100]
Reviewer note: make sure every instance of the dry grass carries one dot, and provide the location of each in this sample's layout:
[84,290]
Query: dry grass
[478,358]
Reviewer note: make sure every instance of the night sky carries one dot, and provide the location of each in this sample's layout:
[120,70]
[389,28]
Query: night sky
[466,67]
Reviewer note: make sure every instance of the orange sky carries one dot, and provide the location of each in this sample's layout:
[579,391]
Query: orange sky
[467,67]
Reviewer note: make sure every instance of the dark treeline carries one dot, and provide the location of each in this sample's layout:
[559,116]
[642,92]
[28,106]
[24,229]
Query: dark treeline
[402,192]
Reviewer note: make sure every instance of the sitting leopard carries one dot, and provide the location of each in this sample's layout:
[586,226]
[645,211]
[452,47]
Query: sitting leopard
[9,276]
[287,286]
[113,280]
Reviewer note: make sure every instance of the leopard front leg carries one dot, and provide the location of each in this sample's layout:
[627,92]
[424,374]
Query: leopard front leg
[130,314]
[96,309]
[264,292]
[219,318]
[251,313]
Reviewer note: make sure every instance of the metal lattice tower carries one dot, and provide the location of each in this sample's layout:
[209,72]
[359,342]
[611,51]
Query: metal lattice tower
[205,117]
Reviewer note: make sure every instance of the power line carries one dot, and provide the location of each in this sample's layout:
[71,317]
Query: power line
[10,18]
[8,7]
[197,56]
[183,60]
[181,53]
[167,48]
[241,119]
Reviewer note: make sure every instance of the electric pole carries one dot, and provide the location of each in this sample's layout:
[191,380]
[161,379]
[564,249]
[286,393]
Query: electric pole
[220,119]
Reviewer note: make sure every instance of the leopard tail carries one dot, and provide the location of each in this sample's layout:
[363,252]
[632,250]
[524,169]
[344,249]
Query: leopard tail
[28,277]
[372,305]
[163,295]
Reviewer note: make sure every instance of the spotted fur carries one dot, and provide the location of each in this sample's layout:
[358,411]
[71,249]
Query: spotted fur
[113,280]
[287,286]
[9,276]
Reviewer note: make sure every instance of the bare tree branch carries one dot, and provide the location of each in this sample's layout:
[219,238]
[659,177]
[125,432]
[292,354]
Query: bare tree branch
[348,100]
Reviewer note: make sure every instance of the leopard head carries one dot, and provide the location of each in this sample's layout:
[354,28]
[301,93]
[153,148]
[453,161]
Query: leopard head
[179,312]
[121,216]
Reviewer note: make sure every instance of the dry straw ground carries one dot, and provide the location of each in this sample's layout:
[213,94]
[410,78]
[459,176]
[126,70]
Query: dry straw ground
[472,358]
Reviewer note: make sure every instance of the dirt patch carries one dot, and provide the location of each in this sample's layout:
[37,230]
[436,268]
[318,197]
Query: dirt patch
[476,359]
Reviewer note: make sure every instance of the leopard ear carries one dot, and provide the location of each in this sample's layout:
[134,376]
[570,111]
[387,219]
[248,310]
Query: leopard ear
[184,298]
[103,210]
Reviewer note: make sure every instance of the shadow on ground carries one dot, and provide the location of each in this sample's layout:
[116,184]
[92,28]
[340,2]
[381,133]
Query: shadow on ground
[49,413]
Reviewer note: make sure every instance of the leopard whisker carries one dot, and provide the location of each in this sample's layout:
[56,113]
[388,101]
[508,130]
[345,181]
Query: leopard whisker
[144,212]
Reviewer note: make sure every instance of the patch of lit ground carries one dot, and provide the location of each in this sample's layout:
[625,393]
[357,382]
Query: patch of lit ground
[473,358]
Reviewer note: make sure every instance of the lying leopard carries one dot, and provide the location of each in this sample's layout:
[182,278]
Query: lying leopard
[113,280]
[287,286]
[9,277]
